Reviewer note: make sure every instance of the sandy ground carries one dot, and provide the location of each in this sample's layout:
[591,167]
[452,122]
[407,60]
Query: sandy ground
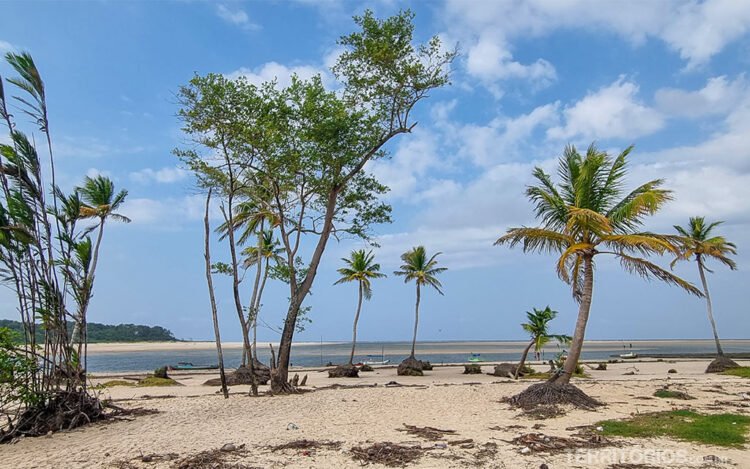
[193,418]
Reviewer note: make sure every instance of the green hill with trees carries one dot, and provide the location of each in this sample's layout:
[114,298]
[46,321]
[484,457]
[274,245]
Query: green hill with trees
[108,332]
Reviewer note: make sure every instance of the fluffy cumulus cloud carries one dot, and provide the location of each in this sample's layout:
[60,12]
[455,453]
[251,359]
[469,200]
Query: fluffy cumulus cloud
[168,213]
[613,111]
[162,176]
[695,30]
[236,16]
[281,73]
[6,46]
[719,96]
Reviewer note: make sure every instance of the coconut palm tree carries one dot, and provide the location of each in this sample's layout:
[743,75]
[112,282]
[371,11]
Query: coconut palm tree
[697,241]
[587,214]
[361,269]
[101,202]
[416,266]
[537,327]
[261,256]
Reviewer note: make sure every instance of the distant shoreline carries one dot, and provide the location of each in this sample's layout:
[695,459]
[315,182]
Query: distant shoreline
[125,347]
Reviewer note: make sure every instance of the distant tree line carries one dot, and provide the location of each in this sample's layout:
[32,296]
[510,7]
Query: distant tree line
[104,332]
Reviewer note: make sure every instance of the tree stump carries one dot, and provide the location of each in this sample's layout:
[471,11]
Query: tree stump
[426,366]
[505,370]
[410,367]
[161,372]
[721,364]
[304,381]
[344,371]
[472,369]
[364,368]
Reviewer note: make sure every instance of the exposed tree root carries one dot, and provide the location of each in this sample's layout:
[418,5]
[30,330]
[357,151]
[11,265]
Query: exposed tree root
[410,367]
[344,371]
[721,364]
[553,394]
[63,410]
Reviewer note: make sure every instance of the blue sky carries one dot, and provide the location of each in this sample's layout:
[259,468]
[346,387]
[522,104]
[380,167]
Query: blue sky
[669,77]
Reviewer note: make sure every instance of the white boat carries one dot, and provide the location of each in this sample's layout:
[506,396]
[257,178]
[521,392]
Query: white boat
[376,362]
[629,355]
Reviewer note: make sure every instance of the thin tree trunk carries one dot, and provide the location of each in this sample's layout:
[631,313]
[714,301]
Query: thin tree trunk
[257,311]
[354,329]
[583,316]
[253,312]
[210,283]
[416,324]
[709,306]
[523,359]
[81,321]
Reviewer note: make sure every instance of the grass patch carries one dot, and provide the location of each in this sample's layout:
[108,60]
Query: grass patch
[154,381]
[742,372]
[719,429]
[665,393]
[113,383]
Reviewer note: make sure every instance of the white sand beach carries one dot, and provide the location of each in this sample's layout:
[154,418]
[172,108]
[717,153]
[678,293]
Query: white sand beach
[193,418]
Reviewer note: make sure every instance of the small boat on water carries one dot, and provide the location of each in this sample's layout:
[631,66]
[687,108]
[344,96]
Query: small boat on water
[376,362]
[475,357]
[190,366]
[629,355]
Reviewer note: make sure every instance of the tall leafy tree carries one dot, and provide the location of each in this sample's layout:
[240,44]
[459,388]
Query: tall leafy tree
[310,146]
[423,271]
[537,326]
[361,268]
[588,214]
[700,243]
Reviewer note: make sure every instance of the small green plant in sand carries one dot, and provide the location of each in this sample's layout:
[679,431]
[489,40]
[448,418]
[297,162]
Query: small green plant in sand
[154,381]
[718,429]
[742,372]
[666,393]
[113,383]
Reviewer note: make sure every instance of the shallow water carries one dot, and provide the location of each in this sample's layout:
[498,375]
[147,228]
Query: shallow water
[436,352]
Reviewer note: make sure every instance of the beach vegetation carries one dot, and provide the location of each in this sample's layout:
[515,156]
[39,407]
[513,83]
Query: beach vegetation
[48,260]
[728,430]
[113,383]
[307,147]
[698,241]
[537,326]
[588,214]
[741,371]
[359,267]
[153,381]
[666,393]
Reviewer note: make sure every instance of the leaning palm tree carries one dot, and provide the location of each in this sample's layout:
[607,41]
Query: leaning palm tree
[583,216]
[100,202]
[697,241]
[538,328]
[360,268]
[416,266]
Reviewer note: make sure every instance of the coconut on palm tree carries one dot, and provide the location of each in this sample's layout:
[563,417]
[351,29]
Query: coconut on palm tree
[699,242]
[538,328]
[100,202]
[360,268]
[423,270]
[585,215]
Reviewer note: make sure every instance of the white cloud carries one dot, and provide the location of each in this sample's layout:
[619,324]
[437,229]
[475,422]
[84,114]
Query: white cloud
[404,171]
[237,17]
[95,172]
[719,96]
[610,112]
[490,60]
[279,72]
[163,175]
[504,138]
[695,30]
[167,213]
[6,47]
